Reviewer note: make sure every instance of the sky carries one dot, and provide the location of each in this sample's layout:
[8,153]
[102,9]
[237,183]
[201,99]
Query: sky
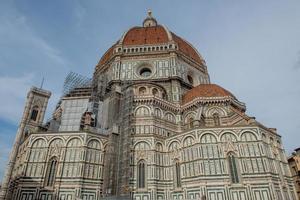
[252,48]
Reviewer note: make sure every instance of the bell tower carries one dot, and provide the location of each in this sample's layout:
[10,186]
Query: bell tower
[33,116]
[34,112]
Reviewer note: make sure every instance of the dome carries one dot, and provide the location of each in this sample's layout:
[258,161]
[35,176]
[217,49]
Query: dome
[146,35]
[152,33]
[206,91]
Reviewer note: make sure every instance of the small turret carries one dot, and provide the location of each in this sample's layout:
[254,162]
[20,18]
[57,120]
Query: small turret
[149,21]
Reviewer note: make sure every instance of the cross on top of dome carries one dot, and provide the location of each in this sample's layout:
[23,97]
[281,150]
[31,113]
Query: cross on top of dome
[149,21]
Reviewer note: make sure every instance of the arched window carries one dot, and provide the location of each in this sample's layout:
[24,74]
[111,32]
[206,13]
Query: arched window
[170,117]
[191,122]
[145,72]
[164,96]
[158,113]
[141,174]
[52,167]
[142,91]
[216,119]
[190,79]
[73,156]
[142,111]
[155,92]
[202,121]
[177,176]
[233,169]
[34,113]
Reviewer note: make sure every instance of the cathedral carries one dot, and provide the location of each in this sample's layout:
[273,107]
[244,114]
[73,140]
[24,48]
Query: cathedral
[148,125]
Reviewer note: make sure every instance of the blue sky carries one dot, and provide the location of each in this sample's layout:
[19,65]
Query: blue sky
[252,48]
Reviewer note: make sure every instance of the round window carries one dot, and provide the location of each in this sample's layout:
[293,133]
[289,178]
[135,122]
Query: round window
[145,72]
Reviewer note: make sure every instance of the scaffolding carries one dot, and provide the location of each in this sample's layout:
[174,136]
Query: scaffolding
[117,172]
[125,148]
[74,80]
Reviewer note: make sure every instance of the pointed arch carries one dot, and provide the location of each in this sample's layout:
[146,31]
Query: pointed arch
[177,174]
[141,174]
[51,172]
[34,113]
[215,109]
[233,167]
[216,119]
[189,115]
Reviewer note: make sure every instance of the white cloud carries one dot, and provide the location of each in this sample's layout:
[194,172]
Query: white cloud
[25,56]
[16,32]
[13,90]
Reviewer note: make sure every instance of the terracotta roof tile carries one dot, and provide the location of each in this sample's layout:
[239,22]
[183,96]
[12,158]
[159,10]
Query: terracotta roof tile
[146,35]
[107,55]
[205,90]
[186,48]
[151,36]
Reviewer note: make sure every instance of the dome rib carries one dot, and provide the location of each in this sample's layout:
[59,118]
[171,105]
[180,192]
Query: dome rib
[153,35]
[186,48]
[107,55]
[146,35]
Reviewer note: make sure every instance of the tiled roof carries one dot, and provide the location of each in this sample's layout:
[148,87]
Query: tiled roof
[186,48]
[107,55]
[206,91]
[146,35]
[151,36]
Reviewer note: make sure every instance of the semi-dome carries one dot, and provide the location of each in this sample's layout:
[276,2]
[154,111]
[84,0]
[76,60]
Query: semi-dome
[206,91]
[151,33]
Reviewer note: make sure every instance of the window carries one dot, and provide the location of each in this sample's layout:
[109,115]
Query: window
[216,119]
[177,174]
[164,96]
[158,113]
[142,111]
[170,117]
[202,121]
[233,170]
[141,174]
[142,90]
[155,92]
[190,79]
[145,72]
[191,122]
[50,178]
[34,113]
